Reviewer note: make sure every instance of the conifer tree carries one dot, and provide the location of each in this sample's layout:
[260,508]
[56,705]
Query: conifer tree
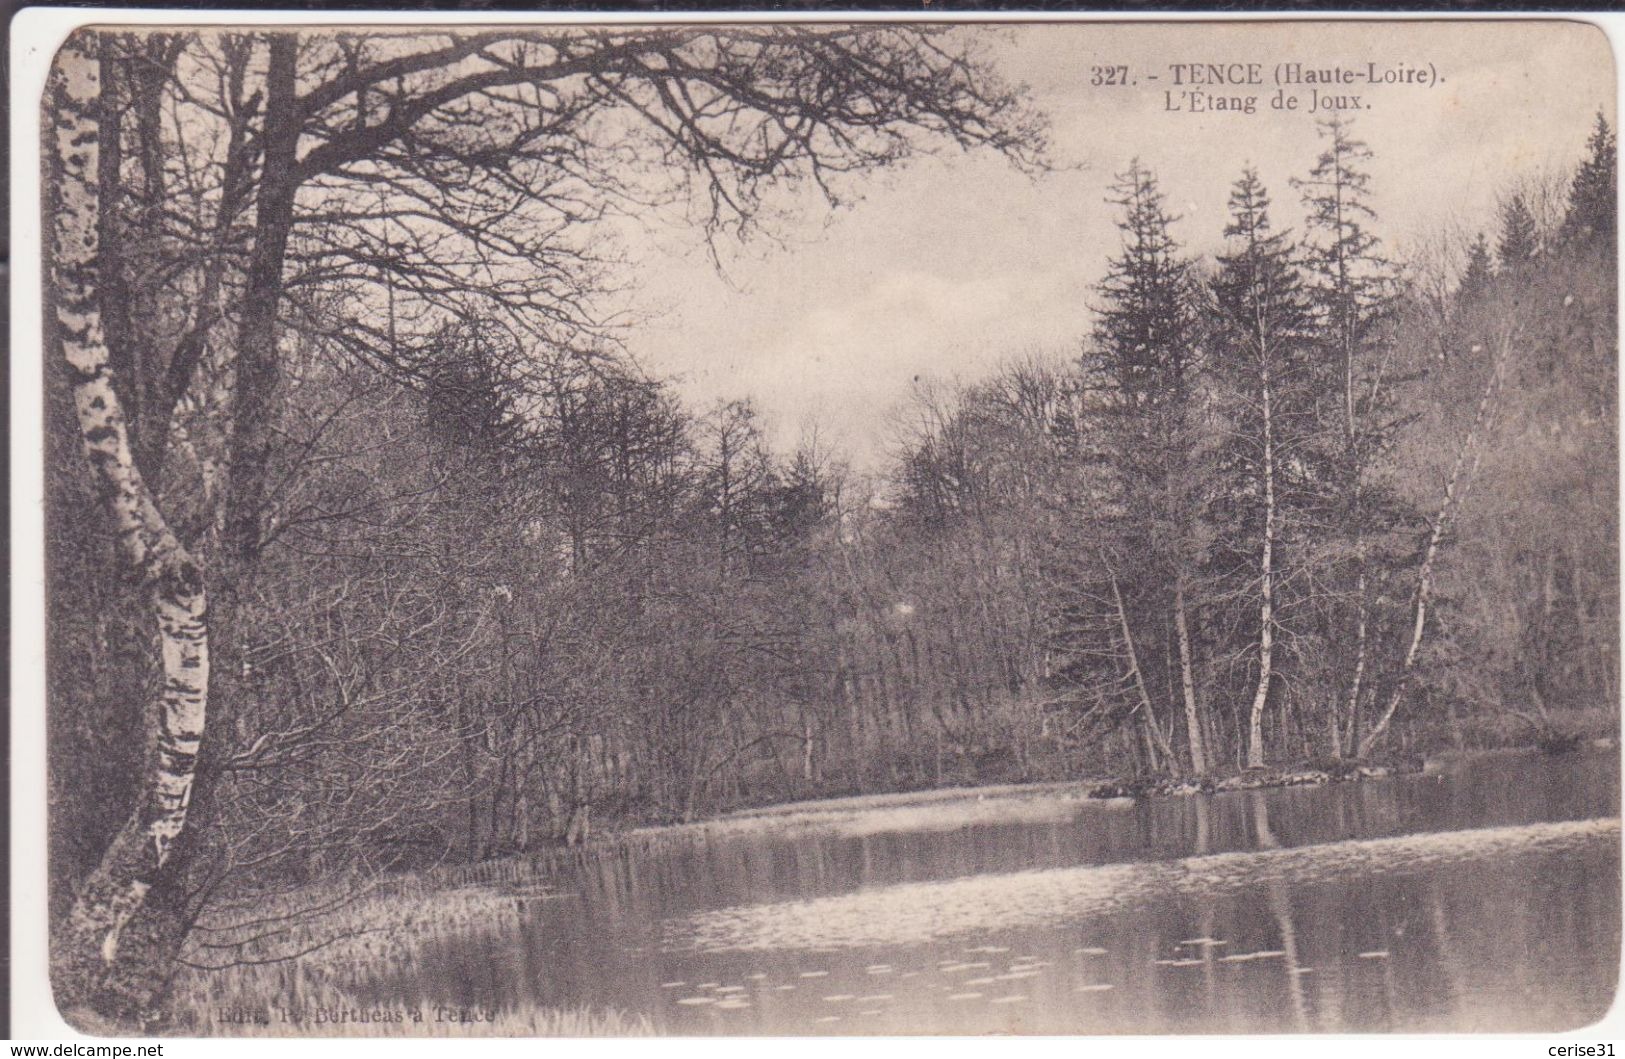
[1146,338]
[1519,238]
[1260,360]
[1352,286]
[1144,324]
[1591,212]
[1479,273]
[1352,292]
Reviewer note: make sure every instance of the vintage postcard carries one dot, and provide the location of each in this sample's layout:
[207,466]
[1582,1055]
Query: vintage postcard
[801,526]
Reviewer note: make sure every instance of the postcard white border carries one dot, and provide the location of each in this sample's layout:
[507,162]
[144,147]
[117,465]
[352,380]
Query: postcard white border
[36,34]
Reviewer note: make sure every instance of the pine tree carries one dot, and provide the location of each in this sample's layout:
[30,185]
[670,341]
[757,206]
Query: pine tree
[1146,339]
[1352,292]
[1352,286]
[1261,357]
[1519,239]
[1479,273]
[1144,324]
[1591,212]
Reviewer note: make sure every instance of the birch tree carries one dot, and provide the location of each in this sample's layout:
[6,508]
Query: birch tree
[1148,339]
[86,941]
[345,179]
[1260,356]
[1463,468]
[1353,293]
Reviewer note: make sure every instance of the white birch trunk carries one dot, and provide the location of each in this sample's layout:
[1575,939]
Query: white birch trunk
[1266,607]
[1362,624]
[87,940]
[1137,675]
[1187,680]
[1461,472]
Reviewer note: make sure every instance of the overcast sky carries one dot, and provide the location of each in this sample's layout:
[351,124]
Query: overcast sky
[949,264]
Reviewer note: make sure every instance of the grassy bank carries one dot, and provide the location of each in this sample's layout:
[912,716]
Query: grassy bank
[306,975]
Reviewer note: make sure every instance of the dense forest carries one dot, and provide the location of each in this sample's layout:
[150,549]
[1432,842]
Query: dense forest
[328,323]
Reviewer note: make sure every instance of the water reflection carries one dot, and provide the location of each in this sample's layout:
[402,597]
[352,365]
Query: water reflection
[1486,899]
[915,913]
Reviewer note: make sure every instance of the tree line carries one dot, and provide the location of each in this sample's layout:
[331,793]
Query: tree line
[386,555]
[1300,500]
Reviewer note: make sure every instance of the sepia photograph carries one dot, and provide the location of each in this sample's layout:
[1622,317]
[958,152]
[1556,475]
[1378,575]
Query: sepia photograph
[800,526]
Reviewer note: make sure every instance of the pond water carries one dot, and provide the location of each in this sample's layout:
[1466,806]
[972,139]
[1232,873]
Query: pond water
[1486,897]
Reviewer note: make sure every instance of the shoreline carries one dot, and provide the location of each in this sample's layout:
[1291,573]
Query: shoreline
[860,814]
[529,873]
[1082,788]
